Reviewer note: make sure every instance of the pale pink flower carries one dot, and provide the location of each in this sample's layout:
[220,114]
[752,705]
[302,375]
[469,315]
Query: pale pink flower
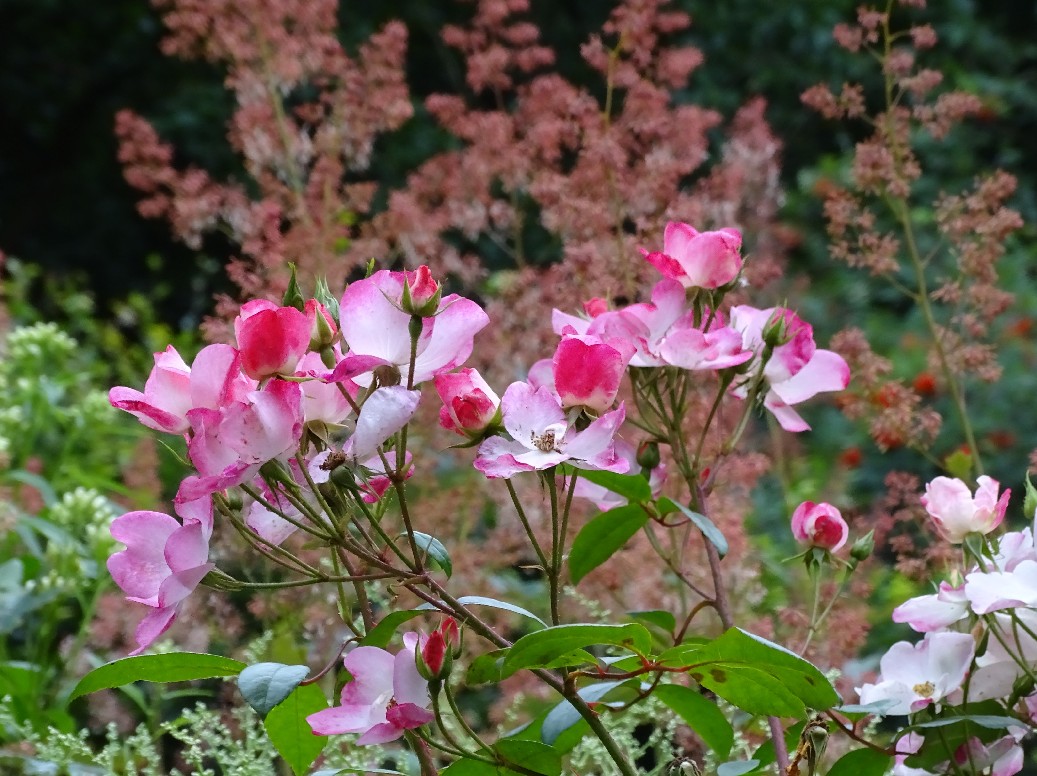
[271,339]
[470,406]
[796,370]
[173,389]
[385,697]
[917,675]
[541,436]
[819,525]
[698,259]
[377,330]
[163,562]
[995,590]
[1003,757]
[385,412]
[927,613]
[957,513]
[605,499]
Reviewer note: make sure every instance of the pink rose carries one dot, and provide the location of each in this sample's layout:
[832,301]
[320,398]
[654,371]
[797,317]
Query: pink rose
[956,513]
[819,525]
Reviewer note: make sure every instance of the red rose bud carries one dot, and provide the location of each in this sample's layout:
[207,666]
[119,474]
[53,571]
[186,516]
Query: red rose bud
[452,635]
[323,330]
[470,406]
[421,294]
[595,307]
[271,340]
[433,659]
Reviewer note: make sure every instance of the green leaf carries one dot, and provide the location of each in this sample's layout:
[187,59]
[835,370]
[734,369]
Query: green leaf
[856,711]
[992,721]
[701,715]
[381,634]
[959,464]
[470,768]
[174,667]
[435,551]
[264,685]
[530,754]
[486,668]
[479,600]
[289,731]
[633,487]
[658,617]
[564,716]
[737,767]
[712,534]
[861,762]
[759,676]
[536,650]
[602,536]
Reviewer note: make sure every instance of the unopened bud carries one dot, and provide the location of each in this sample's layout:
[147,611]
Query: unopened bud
[648,454]
[776,331]
[863,547]
[386,375]
[293,295]
[434,658]
[421,293]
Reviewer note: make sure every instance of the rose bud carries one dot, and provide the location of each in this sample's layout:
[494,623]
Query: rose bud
[819,525]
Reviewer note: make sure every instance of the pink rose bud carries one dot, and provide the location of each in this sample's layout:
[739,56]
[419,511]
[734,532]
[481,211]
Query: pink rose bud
[433,659]
[819,525]
[421,294]
[595,307]
[956,513]
[452,634]
[272,340]
[588,372]
[323,329]
[698,259]
[470,406]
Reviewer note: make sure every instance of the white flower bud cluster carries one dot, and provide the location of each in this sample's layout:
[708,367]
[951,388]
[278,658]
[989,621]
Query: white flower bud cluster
[40,343]
[87,515]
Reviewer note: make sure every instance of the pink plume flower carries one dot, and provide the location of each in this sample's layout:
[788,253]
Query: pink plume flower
[698,259]
[819,525]
[163,562]
[957,513]
[386,696]
[271,339]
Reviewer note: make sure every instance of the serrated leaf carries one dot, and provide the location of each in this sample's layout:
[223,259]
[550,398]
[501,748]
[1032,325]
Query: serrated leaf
[701,715]
[530,754]
[660,618]
[633,487]
[600,538]
[861,762]
[264,685]
[435,551]
[486,668]
[760,677]
[289,731]
[709,531]
[536,650]
[174,667]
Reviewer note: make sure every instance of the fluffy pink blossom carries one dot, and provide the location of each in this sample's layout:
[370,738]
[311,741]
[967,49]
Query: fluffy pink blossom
[386,696]
[271,339]
[163,562]
[541,436]
[470,406]
[819,525]
[796,369]
[957,513]
[914,676]
[377,330]
[698,259]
